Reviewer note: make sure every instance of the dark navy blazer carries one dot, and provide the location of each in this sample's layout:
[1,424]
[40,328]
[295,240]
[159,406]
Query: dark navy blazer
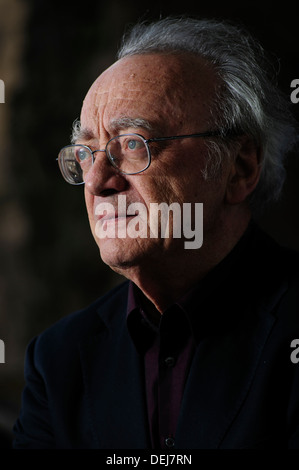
[85,379]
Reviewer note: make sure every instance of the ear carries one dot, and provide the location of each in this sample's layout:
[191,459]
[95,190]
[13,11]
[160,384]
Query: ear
[244,173]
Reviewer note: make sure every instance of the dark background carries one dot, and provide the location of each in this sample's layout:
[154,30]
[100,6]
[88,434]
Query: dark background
[50,53]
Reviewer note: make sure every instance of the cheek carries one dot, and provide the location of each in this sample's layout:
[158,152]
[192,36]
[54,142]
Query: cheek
[179,174]
[176,186]
[159,187]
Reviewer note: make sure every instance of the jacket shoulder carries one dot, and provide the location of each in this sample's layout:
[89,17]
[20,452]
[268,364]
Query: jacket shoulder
[68,331]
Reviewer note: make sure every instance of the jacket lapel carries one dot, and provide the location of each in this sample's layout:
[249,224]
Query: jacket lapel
[114,382]
[220,377]
[225,363]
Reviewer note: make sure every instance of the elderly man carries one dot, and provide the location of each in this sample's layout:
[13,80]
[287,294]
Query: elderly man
[194,350]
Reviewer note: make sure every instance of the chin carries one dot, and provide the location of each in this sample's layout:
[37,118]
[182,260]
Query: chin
[121,254]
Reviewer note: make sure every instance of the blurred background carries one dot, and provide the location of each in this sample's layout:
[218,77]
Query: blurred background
[50,53]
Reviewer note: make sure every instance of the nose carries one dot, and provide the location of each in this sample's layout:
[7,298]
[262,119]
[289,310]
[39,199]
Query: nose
[103,177]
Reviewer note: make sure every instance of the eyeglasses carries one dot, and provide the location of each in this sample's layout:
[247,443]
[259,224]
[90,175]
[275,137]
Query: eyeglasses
[129,154]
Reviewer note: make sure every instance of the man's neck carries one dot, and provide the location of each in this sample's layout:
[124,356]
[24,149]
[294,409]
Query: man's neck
[166,278]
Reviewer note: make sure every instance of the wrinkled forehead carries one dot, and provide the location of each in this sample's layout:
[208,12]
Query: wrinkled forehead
[169,88]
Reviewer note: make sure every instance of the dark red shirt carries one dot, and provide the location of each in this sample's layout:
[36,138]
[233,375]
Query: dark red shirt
[167,349]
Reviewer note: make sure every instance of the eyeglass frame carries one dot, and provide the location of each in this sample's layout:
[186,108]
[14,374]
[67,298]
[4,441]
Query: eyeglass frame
[216,133]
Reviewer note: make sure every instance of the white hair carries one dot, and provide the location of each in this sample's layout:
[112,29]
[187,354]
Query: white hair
[248,100]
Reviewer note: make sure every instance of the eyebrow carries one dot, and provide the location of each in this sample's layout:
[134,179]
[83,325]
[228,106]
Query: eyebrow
[116,125]
[125,122]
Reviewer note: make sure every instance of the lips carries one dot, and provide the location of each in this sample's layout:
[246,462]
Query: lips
[106,217]
[118,211]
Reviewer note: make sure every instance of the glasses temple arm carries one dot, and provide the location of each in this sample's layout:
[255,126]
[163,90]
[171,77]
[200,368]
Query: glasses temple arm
[184,136]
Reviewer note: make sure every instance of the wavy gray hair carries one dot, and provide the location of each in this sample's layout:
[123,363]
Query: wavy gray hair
[248,100]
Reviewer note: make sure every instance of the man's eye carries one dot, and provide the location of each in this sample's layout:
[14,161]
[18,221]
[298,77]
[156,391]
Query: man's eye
[82,154]
[132,144]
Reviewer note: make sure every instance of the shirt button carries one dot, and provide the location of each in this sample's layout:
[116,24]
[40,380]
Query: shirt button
[170,361]
[169,442]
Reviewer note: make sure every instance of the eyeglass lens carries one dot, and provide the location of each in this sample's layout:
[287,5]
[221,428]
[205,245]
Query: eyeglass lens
[128,153]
